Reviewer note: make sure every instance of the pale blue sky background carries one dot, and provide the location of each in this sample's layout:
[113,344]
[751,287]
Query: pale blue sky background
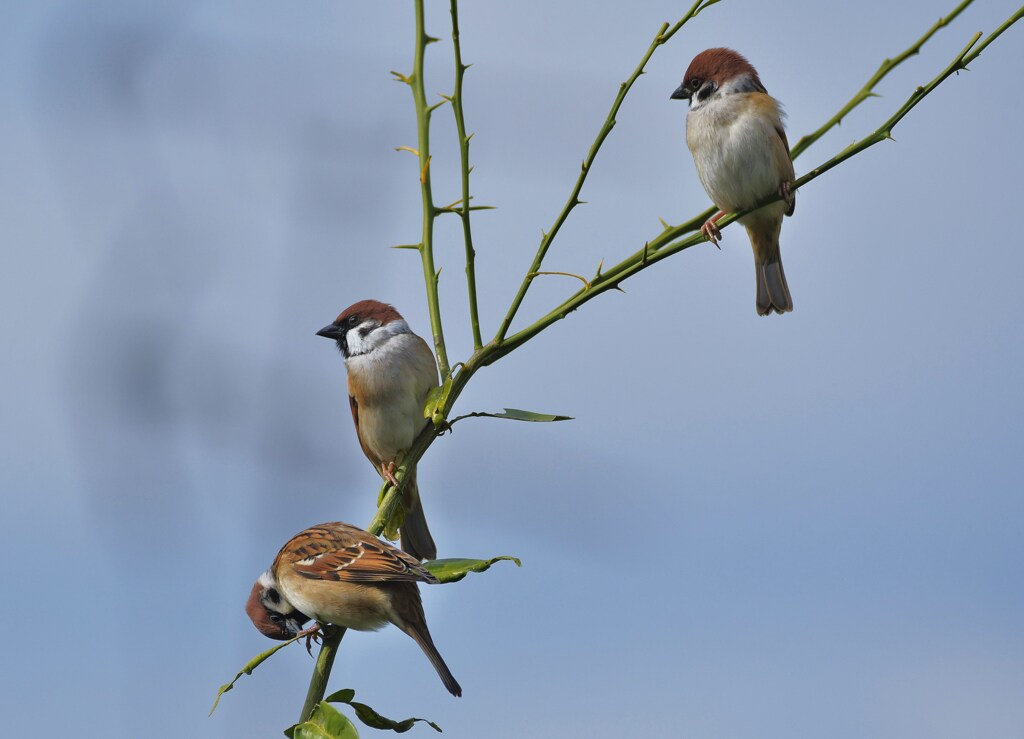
[806,526]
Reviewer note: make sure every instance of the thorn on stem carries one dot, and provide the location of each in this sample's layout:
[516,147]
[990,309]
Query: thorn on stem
[586,283]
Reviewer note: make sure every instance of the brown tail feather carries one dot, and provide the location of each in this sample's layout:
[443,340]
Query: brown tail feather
[416,538]
[772,290]
[408,616]
[422,637]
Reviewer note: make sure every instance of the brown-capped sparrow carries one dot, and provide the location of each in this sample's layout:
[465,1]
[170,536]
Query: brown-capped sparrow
[390,372]
[338,574]
[734,131]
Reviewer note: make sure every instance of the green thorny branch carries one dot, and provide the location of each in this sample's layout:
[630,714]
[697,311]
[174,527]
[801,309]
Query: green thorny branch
[664,244]
[464,210]
[660,247]
[661,37]
[430,211]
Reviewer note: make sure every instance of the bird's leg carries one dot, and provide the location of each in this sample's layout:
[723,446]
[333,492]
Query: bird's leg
[786,191]
[312,634]
[710,228]
[387,471]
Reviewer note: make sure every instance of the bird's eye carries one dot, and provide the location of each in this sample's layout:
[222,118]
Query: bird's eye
[695,83]
[277,618]
[353,320]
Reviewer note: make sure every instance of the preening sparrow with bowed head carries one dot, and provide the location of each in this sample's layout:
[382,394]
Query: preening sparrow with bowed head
[734,131]
[339,574]
[391,370]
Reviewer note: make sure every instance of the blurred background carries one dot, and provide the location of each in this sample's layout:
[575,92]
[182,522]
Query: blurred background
[808,525]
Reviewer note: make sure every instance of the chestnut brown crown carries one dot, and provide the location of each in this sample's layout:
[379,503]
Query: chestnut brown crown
[365,309]
[719,65]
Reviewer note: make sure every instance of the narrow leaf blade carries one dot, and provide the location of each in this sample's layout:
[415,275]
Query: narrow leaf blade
[515,414]
[247,670]
[453,570]
[519,415]
[373,719]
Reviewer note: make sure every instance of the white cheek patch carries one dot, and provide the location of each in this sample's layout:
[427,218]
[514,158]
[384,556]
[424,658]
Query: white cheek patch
[703,97]
[359,339]
[355,341]
[369,335]
[267,582]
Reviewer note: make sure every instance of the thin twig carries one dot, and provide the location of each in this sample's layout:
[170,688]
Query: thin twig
[664,246]
[661,247]
[664,34]
[460,126]
[867,91]
[423,113]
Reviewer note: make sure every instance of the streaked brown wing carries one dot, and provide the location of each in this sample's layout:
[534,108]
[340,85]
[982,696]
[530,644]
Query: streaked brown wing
[353,405]
[338,551]
[788,160]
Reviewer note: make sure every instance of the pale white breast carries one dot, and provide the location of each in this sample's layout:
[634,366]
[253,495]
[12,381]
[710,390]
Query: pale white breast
[731,143]
[394,379]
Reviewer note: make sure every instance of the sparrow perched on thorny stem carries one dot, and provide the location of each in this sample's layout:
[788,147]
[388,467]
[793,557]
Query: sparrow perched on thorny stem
[338,574]
[391,371]
[734,131]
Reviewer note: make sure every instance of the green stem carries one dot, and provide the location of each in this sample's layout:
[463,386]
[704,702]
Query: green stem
[464,211]
[659,248]
[663,35]
[322,670]
[423,113]
[867,90]
[663,245]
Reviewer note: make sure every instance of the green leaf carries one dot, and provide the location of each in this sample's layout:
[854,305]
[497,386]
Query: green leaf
[373,719]
[326,722]
[436,398]
[453,570]
[247,670]
[514,414]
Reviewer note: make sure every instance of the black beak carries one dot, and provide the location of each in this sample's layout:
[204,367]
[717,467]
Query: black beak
[681,93]
[331,331]
[295,622]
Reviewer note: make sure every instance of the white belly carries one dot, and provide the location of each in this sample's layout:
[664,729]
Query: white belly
[732,149]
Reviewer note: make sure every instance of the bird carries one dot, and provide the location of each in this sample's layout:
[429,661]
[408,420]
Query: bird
[336,573]
[734,131]
[391,371]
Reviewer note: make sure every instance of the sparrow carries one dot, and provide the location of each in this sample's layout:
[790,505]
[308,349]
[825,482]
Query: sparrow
[391,371]
[734,131]
[338,574]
